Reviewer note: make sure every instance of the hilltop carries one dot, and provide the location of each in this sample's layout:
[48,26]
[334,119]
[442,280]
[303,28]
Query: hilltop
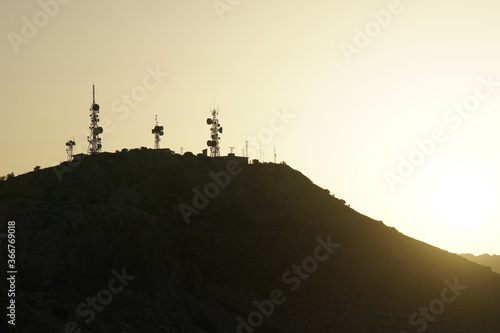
[492,261]
[196,244]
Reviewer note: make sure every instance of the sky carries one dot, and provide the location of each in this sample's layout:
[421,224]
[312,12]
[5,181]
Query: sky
[391,105]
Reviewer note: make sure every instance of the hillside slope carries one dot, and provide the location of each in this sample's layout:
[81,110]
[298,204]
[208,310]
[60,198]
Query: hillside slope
[485,260]
[106,248]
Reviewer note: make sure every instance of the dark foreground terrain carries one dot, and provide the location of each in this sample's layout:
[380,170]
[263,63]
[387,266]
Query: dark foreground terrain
[106,247]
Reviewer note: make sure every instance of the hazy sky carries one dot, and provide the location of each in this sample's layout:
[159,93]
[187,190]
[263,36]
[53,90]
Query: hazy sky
[393,106]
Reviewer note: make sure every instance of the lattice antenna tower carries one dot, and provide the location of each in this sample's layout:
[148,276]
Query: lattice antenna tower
[215,129]
[69,150]
[95,144]
[158,132]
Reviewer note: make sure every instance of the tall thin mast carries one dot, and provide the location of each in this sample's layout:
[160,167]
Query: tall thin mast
[157,131]
[94,140]
[215,129]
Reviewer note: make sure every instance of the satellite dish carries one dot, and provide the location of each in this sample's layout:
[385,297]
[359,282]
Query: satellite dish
[161,128]
[220,130]
[209,121]
[161,133]
[99,146]
[95,107]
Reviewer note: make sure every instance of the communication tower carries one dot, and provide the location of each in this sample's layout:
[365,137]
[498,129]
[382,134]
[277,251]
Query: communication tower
[157,131]
[215,129]
[70,144]
[94,140]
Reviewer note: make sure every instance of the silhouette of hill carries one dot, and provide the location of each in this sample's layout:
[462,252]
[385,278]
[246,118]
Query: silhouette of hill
[108,249]
[492,261]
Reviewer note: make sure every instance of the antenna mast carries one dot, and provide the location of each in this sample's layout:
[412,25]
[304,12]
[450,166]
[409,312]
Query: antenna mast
[94,139]
[215,129]
[70,144]
[157,131]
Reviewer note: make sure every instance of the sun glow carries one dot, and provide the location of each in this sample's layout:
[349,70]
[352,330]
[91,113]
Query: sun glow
[463,198]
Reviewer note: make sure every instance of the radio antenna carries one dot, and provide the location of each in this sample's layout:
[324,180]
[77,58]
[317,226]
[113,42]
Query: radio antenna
[94,140]
[157,131]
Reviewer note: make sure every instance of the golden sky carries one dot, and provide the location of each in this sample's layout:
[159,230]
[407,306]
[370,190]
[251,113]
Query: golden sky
[393,105]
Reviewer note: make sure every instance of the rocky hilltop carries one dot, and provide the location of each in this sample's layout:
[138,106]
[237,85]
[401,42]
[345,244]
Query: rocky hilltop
[149,241]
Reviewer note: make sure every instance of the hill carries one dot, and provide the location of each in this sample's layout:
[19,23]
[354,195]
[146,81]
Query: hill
[149,241]
[492,261]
